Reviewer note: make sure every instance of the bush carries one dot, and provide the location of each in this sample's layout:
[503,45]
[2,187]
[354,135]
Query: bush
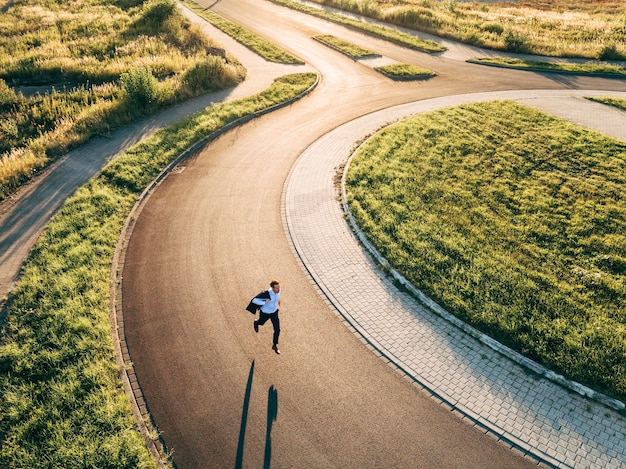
[609,52]
[516,42]
[141,88]
[8,98]
[495,28]
[158,12]
[207,75]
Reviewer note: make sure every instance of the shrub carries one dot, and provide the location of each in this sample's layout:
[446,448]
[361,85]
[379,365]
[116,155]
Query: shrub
[158,12]
[141,88]
[516,42]
[205,76]
[495,28]
[413,18]
[610,52]
[8,97]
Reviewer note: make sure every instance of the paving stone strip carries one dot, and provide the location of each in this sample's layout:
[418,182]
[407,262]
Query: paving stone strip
[559,427]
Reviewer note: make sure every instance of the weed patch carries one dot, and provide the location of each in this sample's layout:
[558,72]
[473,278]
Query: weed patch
[95,67]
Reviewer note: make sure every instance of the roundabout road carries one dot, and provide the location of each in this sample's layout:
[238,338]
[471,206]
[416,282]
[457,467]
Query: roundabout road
[213,234]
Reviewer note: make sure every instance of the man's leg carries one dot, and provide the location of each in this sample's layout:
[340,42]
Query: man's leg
[263,317]
[276,323]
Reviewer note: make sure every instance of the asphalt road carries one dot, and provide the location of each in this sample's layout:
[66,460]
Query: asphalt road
[212,235]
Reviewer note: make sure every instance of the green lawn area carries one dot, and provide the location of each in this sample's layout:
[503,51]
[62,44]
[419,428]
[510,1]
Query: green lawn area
[512,220]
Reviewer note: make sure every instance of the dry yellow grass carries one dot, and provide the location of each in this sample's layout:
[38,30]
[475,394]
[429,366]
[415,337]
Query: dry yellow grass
[592,6]
[559,28]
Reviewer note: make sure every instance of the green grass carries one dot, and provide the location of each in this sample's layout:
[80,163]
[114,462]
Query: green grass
[62,403]
[405,72]
[390,34]
[619,103]
[593,68]
[398,71]
[98,66]
[512,220]
[347,48]
[255,43]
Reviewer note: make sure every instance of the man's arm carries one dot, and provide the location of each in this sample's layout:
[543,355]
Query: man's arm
[261,298]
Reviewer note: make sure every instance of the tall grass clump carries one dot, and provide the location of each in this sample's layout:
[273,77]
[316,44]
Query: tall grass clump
[61,398]
[141,88]
[513,221]
[67,75]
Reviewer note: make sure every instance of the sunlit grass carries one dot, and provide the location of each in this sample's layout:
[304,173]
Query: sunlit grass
[553,28]
[405,72]
[619,103]
[347,48]
[512,220]
[78,58]
[592,68]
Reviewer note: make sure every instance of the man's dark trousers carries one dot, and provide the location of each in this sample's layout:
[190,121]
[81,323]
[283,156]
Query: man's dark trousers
[263,317]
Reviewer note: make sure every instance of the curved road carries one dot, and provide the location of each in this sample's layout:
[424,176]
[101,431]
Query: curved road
[212,235]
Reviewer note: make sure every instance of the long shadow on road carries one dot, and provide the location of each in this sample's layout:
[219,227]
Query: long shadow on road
[244,419]
[272,415]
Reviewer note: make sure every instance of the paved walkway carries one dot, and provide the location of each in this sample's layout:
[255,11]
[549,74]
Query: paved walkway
[559,427]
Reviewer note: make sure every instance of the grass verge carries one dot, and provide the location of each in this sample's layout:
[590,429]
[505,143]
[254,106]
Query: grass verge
[255,43]
[62,402]
[347,48]
[610,101]
[591,68]
[513,221]
[390,34]
[405,72]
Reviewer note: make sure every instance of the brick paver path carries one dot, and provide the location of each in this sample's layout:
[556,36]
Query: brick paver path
[559,427]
